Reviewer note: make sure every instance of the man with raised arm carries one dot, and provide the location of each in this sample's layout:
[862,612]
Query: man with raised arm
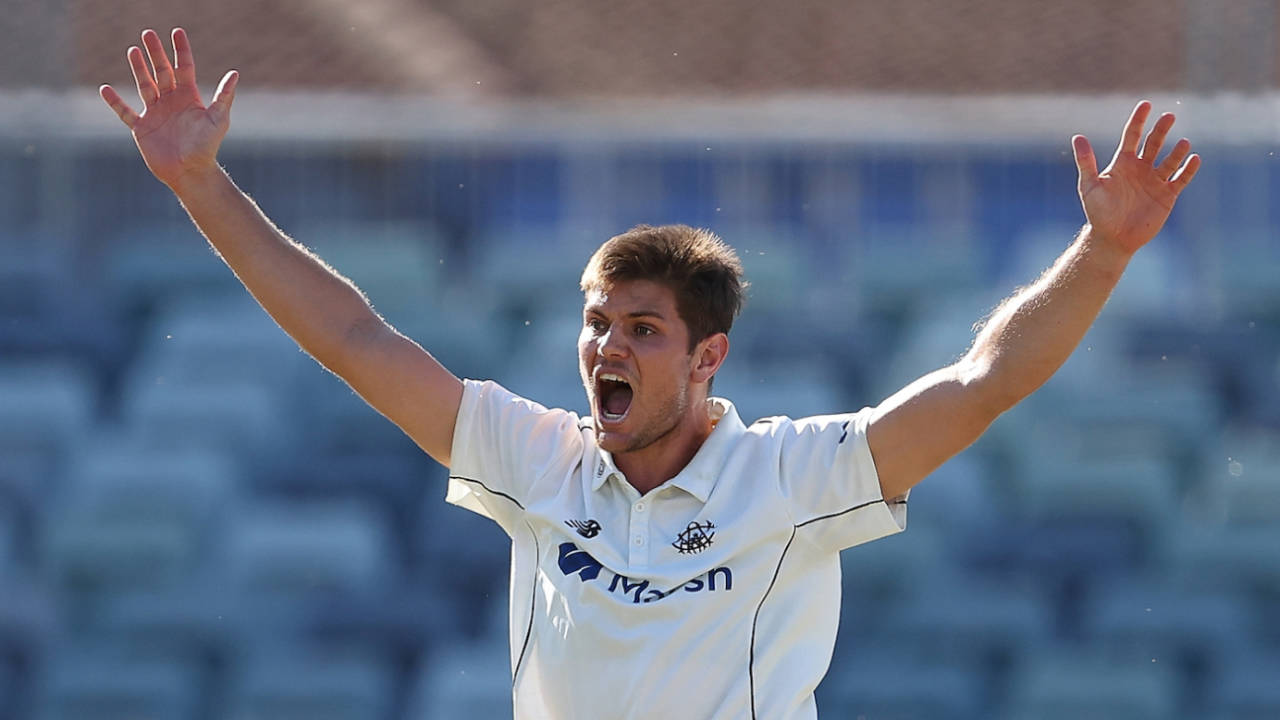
[669,560]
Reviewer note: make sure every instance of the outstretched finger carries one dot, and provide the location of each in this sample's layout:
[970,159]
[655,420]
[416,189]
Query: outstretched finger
[186,62]
[1171,163]
[1155,139]
[1133,128]
[159,60]
[147,90]
[1086,162]
[117,103]
[1188,171]
[224,95]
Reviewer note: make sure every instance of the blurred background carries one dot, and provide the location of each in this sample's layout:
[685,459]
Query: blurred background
[197,522]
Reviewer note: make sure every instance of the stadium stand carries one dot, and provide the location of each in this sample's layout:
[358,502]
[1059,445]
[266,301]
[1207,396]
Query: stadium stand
[197,521]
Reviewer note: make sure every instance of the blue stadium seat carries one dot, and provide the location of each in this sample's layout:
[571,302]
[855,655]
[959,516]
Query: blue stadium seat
[45,407]
[233,415]
[1237,558]
[153,262]
[464,555]
[397,264]
[302,550]
[138,517]
[1190,625]
[208,339]
[1244,687]
[878,681]
[297,682]
[1137,496]
[1069,686]
[472,680]
[971,620]
[107,683]
[879,577]
[29,621]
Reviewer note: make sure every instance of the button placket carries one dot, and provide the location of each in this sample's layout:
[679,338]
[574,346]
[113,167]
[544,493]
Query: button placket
[639,555]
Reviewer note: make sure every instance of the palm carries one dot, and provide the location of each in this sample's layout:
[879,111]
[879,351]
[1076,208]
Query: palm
[176,133]
[1132,197]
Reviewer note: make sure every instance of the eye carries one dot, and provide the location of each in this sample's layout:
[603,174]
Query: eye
[596,324]
[644,330]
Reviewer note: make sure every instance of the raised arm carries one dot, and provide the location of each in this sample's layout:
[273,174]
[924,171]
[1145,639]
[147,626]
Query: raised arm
[1031,334]
[178,137]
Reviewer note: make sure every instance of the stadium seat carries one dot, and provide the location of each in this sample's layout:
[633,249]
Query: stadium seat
[473,550]
[150,263]
[1185,626]
[208,339]
[878,682]
[1236,558]
[458,681]
[305,550]
[231,415]
[136,516]
[47,406]
[106,683]
[1069,686]
[1135,495]
[878,577]
[1244,687]
[297,682]
[971,620]
[397,264]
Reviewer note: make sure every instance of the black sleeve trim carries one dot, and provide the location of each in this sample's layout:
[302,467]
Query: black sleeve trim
[842,512]
[533,604]
[751,661]
[487,489]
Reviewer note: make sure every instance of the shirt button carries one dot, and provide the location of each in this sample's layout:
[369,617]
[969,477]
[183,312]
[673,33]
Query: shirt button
[640,506]
[638,541]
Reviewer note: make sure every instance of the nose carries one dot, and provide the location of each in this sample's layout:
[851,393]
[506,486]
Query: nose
[611,342]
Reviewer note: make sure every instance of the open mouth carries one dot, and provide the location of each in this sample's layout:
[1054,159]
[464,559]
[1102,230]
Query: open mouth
[614,397]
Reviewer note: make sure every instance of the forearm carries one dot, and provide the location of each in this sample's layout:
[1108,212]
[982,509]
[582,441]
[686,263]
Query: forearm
[1033,333]
[319,308]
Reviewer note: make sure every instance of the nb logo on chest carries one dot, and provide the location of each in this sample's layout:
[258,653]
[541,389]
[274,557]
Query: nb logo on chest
[576,561]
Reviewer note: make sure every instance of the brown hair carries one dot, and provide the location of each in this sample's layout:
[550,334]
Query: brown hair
[703,272]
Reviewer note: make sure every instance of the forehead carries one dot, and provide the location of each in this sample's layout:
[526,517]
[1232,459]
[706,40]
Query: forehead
[632,296]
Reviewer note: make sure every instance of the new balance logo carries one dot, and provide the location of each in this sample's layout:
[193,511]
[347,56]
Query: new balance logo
[575,561]
[587,529]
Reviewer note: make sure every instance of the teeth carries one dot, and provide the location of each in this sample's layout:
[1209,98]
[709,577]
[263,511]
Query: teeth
[611,376]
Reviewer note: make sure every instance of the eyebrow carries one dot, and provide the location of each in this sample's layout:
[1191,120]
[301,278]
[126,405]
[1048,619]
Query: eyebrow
[636,314]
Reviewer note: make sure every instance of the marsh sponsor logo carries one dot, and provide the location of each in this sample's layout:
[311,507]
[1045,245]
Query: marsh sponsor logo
[575,561]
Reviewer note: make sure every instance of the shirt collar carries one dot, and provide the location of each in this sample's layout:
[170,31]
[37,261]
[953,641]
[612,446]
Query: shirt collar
[698,478]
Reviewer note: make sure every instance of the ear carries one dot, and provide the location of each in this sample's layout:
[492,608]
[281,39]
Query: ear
[708,356]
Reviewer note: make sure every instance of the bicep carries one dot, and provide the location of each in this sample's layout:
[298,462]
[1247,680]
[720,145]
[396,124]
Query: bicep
[405,383]
[921,426]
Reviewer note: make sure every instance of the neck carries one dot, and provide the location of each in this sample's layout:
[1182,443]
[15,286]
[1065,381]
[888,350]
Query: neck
[658,462]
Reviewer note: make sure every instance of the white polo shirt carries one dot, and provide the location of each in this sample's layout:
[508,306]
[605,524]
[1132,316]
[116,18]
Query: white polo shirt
[715,595]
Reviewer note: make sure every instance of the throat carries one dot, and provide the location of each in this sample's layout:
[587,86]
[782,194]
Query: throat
[617,401]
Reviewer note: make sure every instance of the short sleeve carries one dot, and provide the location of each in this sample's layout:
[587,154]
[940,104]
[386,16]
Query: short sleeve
[503,445]
[829,479]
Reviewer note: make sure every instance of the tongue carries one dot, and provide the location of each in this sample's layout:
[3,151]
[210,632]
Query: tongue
[617,402]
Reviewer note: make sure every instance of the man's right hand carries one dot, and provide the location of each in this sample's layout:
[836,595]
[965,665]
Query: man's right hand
[176,133]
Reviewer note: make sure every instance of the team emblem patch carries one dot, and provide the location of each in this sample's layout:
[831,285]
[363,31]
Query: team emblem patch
[695,538]
[587,529]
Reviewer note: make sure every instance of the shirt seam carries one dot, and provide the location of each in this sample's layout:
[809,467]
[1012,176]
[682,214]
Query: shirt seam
[488,489]
[533,605]
[751,660]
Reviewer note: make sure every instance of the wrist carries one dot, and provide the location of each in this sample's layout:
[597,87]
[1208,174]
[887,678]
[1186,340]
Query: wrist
[1103,250]
[197,180]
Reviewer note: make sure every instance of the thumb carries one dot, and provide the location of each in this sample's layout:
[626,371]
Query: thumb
[225,95]
[1086,163]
